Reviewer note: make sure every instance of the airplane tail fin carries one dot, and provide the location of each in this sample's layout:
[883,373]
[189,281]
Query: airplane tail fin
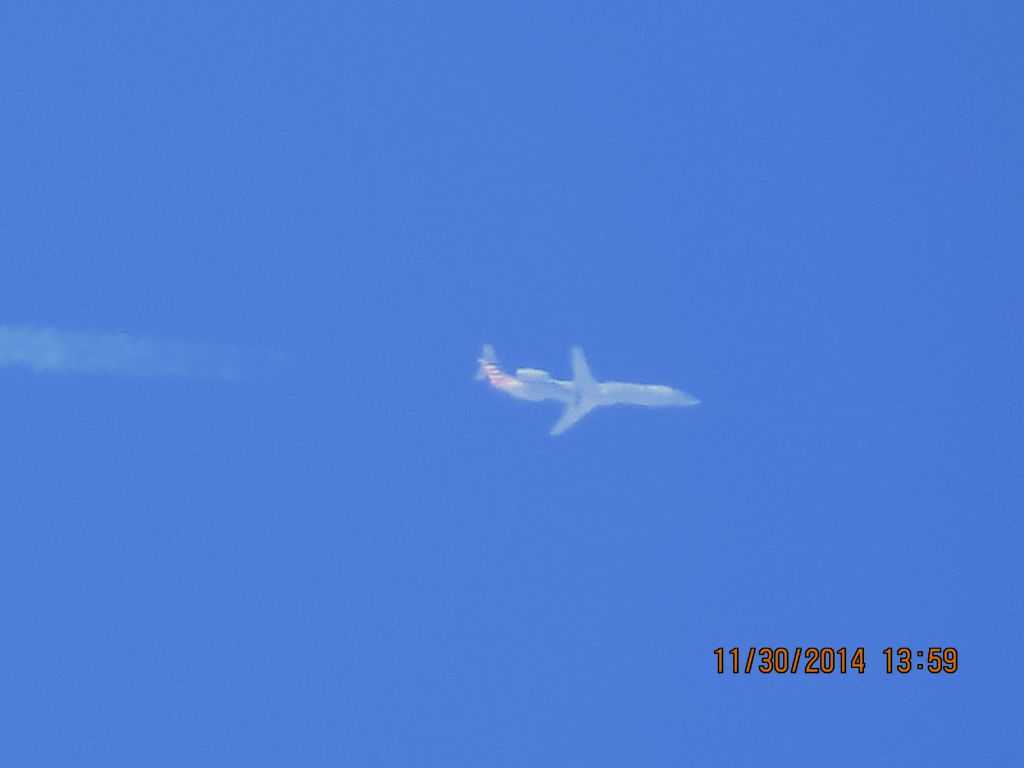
[487,357]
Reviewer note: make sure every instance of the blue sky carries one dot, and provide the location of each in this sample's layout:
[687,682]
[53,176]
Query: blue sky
[352,554]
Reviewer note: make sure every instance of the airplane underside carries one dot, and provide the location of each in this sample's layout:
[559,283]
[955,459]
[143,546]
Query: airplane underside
[582,394]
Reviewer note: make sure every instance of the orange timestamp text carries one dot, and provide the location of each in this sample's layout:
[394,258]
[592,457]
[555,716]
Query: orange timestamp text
[818,660]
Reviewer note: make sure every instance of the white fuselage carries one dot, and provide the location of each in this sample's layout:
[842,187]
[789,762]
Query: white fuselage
[532,386]
[581,395]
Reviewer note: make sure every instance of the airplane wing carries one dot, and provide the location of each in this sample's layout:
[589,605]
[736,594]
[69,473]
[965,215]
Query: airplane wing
[573,412]
[581,375]
[586,389]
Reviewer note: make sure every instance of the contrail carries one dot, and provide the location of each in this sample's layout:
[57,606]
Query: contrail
[49,350]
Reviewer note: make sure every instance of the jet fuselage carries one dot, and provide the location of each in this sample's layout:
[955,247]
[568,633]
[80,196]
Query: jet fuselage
[582,394]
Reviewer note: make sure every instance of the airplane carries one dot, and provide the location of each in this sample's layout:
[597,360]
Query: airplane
[581,395]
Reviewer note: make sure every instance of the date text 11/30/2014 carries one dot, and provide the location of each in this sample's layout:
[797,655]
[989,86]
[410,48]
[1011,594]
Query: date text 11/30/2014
[816,660]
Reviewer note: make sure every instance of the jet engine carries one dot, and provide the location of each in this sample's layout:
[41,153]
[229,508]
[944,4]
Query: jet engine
[532,374]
